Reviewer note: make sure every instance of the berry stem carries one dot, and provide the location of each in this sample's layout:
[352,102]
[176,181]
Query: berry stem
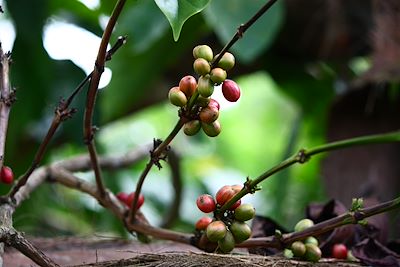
[304,155]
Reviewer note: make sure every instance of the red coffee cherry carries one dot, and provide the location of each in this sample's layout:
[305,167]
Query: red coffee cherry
[208,114]
[130,199]
[6,175]
[230,90]
[203,222]
[206,203]
[213,103]
[224,194]
[339,251]
[123,197]
[188,85]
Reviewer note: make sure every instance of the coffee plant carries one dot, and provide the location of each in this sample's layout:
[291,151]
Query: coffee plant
[226,224]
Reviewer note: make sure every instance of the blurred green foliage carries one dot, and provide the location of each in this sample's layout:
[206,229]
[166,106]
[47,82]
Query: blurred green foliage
[276,115]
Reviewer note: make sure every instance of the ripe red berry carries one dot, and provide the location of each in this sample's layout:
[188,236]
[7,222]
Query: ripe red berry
[230,90]
[213,103]
[224,194]
[6,175]
[208,114]
[203,222]
[188,85]
[123,197]
[339,251]
[130,199]
[206,203]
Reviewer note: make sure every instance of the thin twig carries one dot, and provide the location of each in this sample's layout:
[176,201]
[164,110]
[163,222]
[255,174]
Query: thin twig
[62,113]
[92,93]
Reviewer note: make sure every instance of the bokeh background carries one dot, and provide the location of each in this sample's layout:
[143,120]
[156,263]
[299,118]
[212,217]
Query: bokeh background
[310,72]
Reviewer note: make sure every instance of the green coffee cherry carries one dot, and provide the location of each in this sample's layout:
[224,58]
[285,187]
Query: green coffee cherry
[240,230]
[215,231]
[201,66]
[209,115]
[227,61]
[192,127]
[212,129]
[244,212]
[177,97]
[303,224]
[217,75]
[298,249]
[203,51]
[205,87]
[202,101]
[313,253]
[227,244]
[311,240]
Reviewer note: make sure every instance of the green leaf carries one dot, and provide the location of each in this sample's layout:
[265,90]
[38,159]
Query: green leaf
[225,19]
[178,11]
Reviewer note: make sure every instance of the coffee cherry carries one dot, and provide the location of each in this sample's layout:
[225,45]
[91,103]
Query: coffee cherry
[313,253]
[212,129]
[191,127]
[208,115]
[303,224]
[203,222]
[298,248]
[123,197]
[201,66]
[215,231]
[6,175]
[188,85]
[130,199]
[203,51]
[227,244]
[311,240]
[227,61]
[177,97]
[202,101]
[213,103]
[240,230]
[206,203]
[245,212]
[205,87]
[224,194]
[217,75]
[230,90]
[237,188]
[339,251]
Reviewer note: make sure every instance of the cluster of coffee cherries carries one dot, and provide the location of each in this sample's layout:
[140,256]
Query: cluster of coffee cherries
[6,175]
[306,249]
[127,199]
[194,96]
[226,230]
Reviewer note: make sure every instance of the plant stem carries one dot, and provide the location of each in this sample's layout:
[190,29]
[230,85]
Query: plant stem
[92,93]
[304,155]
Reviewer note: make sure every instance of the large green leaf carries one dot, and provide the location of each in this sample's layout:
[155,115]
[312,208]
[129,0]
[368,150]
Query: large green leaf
[178,11]
[225,19]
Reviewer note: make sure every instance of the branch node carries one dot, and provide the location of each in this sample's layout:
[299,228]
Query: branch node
[155,159]
[240,30]
[302,156]
[99,67]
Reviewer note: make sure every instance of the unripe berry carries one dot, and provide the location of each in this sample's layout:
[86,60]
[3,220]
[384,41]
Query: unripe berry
[313,253]
[212,129]
[213,103]
[227,244]
[216,231]
[130,199]
[230,90]
[217,75]
[206,203]
[245,212]
[203,51]
[298,249]
[201,66]
[6,175]
[177,97]
[311,240]
[202,101]
[227,61]
[240,230]
[205,87]
[188,85]
[303,224]
[208,115]
[191,127]
[203,222]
